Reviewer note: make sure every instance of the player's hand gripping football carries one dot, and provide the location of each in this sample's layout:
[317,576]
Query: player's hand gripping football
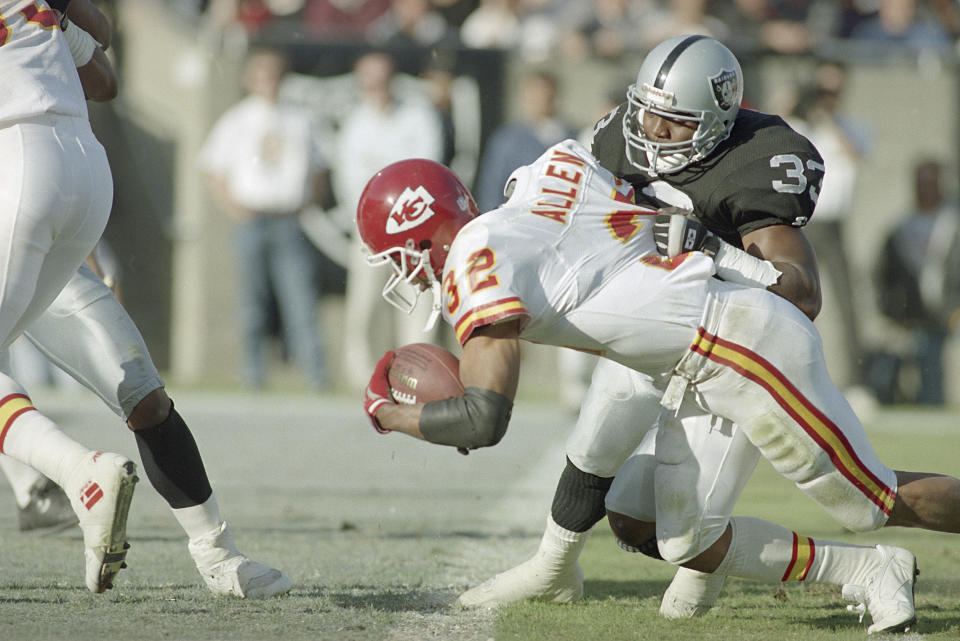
[378,391]
[676,231]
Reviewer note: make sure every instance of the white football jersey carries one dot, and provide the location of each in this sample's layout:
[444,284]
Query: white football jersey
[571,255]
[37,72]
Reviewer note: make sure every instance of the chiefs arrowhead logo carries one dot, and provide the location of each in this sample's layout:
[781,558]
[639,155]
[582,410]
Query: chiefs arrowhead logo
[411,209]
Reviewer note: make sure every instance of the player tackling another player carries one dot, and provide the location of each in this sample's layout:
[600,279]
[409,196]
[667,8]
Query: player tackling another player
[569,260]
[750,182]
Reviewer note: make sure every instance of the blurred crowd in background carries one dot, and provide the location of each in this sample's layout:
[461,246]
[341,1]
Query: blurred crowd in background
[368,103]
[569,29]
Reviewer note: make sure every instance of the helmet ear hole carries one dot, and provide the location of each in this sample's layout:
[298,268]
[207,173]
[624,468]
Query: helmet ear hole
[426,243]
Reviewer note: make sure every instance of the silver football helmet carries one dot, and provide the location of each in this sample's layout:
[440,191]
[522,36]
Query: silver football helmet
[686,78]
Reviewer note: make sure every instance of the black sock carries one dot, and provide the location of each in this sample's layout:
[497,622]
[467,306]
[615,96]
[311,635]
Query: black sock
[578,503]
[172,462]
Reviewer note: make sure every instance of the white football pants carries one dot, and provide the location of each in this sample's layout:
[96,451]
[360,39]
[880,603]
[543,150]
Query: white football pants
[758,361]
[55,197]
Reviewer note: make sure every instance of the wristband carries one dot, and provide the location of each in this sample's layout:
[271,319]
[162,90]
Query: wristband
[737,266]
[82,45]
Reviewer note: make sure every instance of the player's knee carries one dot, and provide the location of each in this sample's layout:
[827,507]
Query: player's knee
[633,535]
[630,530]
[152,410]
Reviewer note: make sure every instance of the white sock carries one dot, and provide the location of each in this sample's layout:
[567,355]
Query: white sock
[199,520]
[21,478]
[32,438]
[766,551]
[559,546]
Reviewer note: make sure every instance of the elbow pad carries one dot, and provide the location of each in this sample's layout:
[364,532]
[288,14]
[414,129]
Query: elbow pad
[479,418]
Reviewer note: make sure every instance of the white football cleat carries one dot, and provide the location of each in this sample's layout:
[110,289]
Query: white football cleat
[532,580]
[100,489]
[228,572]
[888,593]
[690,594]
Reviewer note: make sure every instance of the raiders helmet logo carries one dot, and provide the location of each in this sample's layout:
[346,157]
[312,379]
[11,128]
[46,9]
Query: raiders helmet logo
[411,209]
[724,86]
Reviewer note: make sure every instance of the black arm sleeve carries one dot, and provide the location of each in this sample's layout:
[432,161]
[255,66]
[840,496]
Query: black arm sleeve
[59,5]
[479,418]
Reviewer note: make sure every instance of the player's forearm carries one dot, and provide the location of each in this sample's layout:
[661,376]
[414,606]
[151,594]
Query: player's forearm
[798,286]
[401,418]
[85,15]
[98,78]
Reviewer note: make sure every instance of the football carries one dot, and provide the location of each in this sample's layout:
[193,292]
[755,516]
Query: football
[421,372]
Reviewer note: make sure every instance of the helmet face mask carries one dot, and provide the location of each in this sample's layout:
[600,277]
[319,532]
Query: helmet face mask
[408,216]
[687,78]
[408,266]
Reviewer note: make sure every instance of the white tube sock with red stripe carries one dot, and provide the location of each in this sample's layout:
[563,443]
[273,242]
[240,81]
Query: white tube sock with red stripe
[31,438]
[766,551]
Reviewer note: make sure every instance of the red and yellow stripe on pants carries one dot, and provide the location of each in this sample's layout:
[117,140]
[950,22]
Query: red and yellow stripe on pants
[12,406]
[828,436]
[804,551]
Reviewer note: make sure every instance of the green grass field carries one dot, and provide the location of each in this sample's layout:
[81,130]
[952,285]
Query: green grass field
[380,534]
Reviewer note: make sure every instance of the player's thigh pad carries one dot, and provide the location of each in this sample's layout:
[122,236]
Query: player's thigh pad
[620,407]
[88,333]
[703,463]
[759,362]
[52,212]
[632,491]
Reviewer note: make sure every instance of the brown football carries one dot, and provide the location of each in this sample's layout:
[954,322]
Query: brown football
[421,372]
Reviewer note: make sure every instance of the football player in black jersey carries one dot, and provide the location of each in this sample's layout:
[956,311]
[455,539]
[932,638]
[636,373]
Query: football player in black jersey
[743,184]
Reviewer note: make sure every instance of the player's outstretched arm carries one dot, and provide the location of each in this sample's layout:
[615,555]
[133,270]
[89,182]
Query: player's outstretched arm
[489,371]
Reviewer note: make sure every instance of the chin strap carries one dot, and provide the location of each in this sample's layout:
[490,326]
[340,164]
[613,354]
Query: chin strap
[434,306]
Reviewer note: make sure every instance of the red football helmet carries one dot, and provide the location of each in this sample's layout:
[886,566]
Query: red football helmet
[408,215]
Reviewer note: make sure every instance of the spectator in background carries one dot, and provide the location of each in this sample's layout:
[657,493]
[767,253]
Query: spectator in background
[904,24]
[918,283]
[341,19]
[681,17]
[842,142]
[784,26]
[603,28]
[494,24]
[408,23]
[262,167]
[521,142]
[384,127]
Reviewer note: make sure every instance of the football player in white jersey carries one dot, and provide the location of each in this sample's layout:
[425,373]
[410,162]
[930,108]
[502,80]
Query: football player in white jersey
[88,333]
[569,261]
[54,202]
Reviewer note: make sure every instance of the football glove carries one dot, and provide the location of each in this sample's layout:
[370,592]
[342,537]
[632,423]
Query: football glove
[677,231]
[378,391]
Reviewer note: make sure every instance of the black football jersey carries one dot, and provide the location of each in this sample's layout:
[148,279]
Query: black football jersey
[764,174]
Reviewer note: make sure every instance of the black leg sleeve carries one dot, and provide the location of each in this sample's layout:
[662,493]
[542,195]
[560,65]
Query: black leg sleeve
[172,462]
[578,503]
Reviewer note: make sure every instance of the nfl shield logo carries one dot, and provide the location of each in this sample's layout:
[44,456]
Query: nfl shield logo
[724,86]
